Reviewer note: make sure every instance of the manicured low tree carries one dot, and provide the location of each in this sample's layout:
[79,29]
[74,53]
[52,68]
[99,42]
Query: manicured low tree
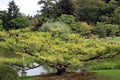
[73,52]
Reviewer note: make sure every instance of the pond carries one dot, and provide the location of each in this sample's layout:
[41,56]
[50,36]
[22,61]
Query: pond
[34,72]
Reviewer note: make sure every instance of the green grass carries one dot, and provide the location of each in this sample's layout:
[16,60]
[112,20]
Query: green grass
[116,39]
[109,74]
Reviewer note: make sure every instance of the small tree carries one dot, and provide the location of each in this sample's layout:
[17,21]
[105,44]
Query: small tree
[68,19]
[83,28]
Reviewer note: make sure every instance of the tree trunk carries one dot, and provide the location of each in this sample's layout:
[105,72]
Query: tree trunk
[60,71]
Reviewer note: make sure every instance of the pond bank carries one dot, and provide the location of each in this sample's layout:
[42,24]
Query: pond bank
[97,75]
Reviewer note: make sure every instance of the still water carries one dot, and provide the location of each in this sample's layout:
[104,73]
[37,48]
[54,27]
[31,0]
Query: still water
[33,72]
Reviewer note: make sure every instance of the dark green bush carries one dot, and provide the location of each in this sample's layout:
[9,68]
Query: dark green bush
[106,65]
[7,73]
[68,19]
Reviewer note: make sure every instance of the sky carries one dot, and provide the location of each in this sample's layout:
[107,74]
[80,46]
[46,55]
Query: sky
[26,6]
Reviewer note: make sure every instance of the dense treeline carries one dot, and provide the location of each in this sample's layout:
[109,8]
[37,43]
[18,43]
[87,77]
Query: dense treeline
[87,17]
[97,14]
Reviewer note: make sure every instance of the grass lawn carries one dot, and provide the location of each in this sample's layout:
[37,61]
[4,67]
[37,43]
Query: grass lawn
[116,39]
[109,74]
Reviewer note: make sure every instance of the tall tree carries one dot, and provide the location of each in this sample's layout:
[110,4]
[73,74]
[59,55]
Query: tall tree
[47,10]
[13,19]
[90,10]
[66,7]
[13,10]
[54,8]
[112,13]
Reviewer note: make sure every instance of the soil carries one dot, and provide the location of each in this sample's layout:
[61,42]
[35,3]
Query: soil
[69,76]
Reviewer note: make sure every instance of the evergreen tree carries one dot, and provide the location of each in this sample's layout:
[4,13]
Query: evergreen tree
[66,7]
[47,10]
[13,10]
[13,19]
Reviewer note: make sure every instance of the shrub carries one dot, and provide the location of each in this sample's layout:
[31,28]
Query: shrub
[68,19]
[106,65]
[104,30]
[55,28]
[7,73]
[18,23]
[83,28]
[100,30]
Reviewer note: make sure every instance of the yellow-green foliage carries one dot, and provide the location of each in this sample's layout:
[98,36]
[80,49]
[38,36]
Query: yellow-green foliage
[83,28]
[12,61]
[1,27]
[55,52]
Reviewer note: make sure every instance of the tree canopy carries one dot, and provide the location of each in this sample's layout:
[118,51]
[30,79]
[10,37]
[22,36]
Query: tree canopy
[72,52]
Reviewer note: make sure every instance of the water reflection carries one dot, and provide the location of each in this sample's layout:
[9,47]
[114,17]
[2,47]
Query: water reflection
[33,72]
